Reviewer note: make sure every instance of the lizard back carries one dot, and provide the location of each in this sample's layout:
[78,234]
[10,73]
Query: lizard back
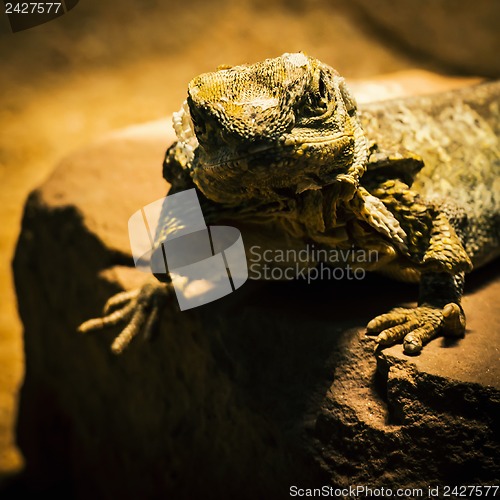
[457,135]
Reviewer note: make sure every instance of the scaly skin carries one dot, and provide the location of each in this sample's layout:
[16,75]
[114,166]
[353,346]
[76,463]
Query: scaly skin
[281,144]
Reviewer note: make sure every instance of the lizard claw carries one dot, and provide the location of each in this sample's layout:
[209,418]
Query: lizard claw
[417,326]
[138,309]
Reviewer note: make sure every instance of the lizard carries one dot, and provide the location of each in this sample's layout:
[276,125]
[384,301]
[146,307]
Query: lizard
[282,144]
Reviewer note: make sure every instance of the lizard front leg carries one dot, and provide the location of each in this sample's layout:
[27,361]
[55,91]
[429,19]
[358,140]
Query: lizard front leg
[138,309]
[436,250]
[438,311]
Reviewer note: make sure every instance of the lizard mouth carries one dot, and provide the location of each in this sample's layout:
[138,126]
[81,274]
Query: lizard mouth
[288,149]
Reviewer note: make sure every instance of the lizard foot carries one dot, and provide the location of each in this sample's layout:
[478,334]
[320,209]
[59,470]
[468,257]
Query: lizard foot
[139,309]
[417,326]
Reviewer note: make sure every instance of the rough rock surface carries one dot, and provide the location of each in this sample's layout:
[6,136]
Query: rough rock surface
[274,385]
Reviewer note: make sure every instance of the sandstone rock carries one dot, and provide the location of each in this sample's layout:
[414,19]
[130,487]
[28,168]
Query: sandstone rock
[272,386]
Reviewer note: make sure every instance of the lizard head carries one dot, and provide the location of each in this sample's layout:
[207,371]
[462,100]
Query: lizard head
[271,130]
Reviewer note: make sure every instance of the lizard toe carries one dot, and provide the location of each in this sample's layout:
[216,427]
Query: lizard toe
[396,333]
[453,320]
[395,317]
[145,317]
[138,309]
[415,340]
[416,327]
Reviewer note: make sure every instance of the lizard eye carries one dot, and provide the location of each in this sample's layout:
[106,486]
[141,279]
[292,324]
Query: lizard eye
[322,90]
[196,122]
[317,99]
[199,125]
